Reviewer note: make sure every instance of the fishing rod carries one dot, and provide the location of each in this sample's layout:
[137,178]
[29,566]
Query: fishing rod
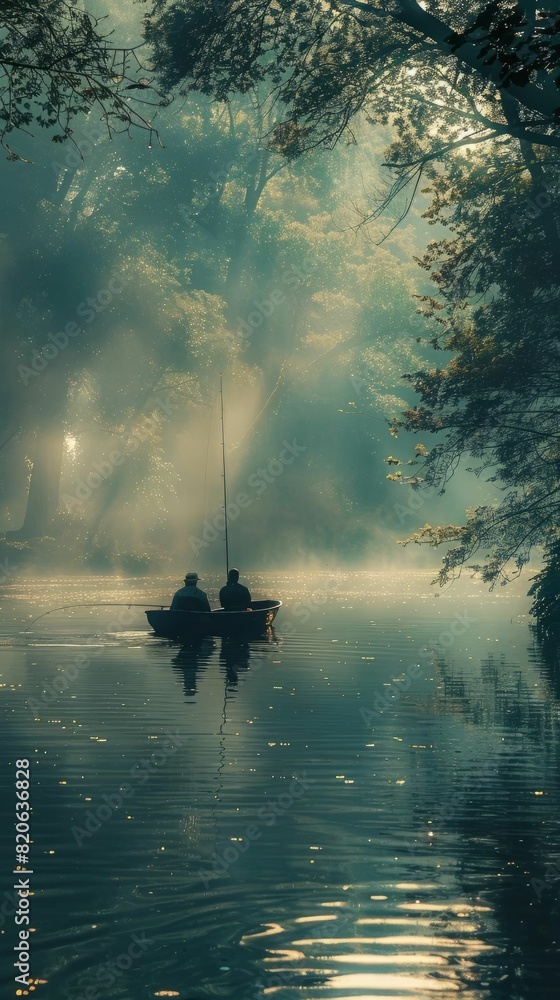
[224,475]
[101,604]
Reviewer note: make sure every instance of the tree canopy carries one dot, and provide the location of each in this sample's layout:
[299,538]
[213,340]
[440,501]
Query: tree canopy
[495,399]
[326,61]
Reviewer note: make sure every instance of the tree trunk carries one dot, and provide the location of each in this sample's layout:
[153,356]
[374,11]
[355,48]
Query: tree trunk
[544,99]
[549,219]
[234,293]
[44,485]
[112,488]
[45,453]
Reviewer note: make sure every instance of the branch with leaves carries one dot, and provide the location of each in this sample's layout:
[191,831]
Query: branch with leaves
[57,62]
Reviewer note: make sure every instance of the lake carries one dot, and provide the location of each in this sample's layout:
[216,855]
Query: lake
[362,804]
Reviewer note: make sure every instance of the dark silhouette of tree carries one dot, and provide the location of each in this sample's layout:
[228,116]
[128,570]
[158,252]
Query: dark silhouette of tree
[326,62]
[57,62]
[495,400]
[545,592]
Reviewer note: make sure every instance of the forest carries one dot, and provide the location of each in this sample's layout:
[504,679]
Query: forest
[349,209]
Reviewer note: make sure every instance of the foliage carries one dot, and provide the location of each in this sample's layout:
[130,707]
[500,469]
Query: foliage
[57,61]
[495,399]
[545,592]
[326,62]
[449,77]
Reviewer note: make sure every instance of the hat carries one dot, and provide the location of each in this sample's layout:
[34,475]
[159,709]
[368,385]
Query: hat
[192,577]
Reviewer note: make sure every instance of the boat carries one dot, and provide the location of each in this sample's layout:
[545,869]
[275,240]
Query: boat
[188,625]
[185,625]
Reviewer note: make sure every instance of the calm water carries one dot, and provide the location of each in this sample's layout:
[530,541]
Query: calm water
[363,805]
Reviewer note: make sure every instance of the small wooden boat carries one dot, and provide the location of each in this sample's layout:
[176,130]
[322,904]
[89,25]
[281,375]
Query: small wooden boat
[186,625]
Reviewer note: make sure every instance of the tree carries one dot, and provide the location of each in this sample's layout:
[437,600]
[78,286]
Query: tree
[92,256]
[57,62]
[496,398]
[545,592]
[326,62]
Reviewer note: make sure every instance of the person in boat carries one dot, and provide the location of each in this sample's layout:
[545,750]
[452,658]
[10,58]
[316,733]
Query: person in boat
[190,597]
[234,596]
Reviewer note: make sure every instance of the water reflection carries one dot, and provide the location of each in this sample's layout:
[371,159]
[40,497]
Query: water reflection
[507,822]
[417,862]
[234,655]
[191,661]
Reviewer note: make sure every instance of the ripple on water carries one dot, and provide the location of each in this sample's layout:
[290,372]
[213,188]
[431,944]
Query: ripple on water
[291,817]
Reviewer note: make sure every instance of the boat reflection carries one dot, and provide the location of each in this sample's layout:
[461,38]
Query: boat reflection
[235,656]
[239,656]
[191,662]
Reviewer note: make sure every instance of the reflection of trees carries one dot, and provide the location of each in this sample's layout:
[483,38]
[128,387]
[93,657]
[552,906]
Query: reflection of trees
[506,834]
[548,651]
[504,696]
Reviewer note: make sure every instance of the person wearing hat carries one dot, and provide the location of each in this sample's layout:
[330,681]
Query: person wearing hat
[190,597]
